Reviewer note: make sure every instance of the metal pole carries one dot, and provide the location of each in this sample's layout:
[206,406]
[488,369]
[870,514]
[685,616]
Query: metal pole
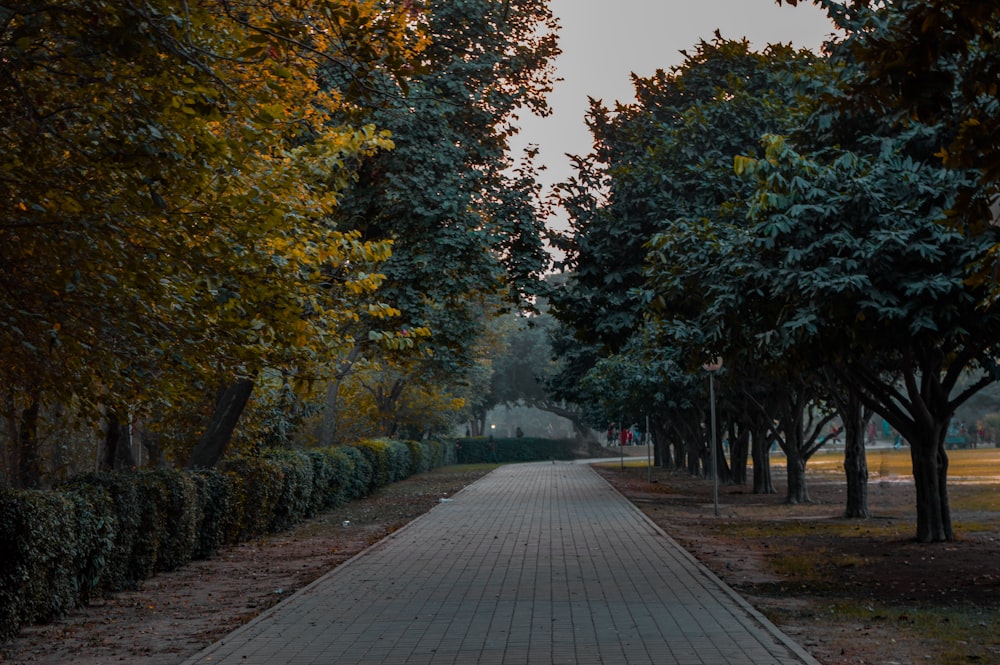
[715,468]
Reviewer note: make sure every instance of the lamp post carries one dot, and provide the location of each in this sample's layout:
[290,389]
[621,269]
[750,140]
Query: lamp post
[712,368]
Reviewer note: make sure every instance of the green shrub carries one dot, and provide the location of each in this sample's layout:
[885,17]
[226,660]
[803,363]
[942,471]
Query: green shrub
[217,511]
[339,482]
[37,546]
[176,515]
[108,531]
[377,454]
[152,498]
[118,574]
[258,491]
[359,473]
[96,527]
[420,457]
[295,500]
[400,461]
[324,477]
[440,453]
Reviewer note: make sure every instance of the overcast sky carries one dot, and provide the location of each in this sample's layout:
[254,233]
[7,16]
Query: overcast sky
[603,41]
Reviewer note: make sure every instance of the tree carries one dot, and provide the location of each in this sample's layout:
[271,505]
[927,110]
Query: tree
[663,168]
[937,62]
[667,157]
[937,59]
[463,219]
[171,169]
[874,280]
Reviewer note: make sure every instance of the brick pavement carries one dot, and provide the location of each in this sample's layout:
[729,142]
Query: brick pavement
[534,563]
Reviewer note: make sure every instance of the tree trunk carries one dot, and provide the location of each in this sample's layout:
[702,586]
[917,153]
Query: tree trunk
[150,442]
[328,424]
[117,446]
[680,454]
[723,470]
[229,407]
[796,464]
[661,446]
[29,463]
[386,404]
[921,415]
[761,449]
[9,445]
[694,451]
[691,444]
[930,476]
[739,452]
[855,459]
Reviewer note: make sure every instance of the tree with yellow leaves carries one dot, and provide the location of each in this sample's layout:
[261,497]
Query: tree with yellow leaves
[168,169]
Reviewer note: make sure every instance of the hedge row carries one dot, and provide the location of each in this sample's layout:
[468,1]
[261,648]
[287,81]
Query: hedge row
[105,532]
[480,450]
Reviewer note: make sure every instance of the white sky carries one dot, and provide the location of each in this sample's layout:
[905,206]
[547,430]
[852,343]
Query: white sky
[603,41]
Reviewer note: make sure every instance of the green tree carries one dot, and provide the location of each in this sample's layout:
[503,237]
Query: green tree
[462,216]
[664,165]
[937,59]
[861,233]
[873,280]
[937,62]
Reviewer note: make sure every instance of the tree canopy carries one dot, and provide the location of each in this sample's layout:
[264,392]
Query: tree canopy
[461,212]
[171,170]
[816,229]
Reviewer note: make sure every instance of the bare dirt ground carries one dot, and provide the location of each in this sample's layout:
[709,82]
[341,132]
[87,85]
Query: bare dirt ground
[851,592]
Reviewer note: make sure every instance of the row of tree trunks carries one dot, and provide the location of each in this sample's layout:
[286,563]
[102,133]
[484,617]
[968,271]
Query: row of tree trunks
[921,411]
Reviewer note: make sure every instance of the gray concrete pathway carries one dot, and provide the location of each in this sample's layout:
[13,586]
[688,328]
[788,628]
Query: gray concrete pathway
[534,563]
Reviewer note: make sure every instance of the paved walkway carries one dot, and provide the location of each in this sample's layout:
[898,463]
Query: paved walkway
[534,563]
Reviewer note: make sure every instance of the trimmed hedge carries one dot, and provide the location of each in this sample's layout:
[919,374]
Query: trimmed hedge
[105,532]
[359,473]
[481,450]
[216,502]
[390,461]
[37,545]
[121,492]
